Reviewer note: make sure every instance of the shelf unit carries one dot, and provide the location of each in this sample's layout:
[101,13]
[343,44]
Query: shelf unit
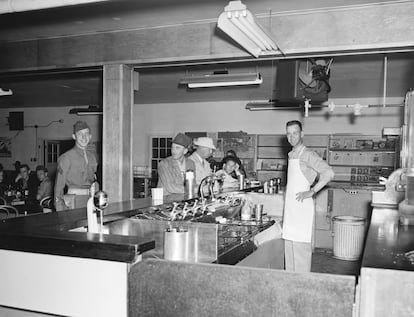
[361,159]
[272,154]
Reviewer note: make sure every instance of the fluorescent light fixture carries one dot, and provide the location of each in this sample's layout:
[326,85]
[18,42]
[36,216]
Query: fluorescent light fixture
[239,23]
[272,105]
[222,80]
[91,110]
[5,92]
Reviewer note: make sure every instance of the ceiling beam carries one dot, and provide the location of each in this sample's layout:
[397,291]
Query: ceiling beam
[10,6]
[342,30]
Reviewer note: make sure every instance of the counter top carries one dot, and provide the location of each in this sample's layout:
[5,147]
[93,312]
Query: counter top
[388,241]
[50,233]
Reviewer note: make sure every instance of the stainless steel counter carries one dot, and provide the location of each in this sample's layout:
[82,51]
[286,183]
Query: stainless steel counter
[387,241]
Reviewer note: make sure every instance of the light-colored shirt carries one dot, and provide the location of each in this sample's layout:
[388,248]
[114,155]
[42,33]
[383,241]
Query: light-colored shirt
[202,167]
[171,175]
[228,180]
[45,189]
[312,165]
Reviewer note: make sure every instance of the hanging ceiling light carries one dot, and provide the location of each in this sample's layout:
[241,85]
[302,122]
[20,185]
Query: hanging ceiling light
[272,105]
[5,92]
[91,110]
[221,80]
[239,23]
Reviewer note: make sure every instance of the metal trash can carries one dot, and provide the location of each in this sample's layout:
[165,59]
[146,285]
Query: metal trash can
[348,232]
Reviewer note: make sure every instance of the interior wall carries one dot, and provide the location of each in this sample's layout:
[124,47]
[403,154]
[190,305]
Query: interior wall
[23,143]
[171,118]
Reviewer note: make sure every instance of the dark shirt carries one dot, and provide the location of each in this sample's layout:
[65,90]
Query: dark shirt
[76,168]
[170,176]
[31,185]
[3,189]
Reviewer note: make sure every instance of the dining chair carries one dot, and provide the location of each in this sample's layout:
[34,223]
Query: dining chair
[12,211]
[4,212]
[46,203]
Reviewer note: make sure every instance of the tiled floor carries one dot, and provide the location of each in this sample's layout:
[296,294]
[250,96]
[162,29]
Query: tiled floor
[324,262]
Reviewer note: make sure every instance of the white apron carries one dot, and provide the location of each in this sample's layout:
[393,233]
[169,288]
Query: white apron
[298,216]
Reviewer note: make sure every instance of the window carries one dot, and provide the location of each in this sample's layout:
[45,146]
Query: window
[160,148]
[52,152]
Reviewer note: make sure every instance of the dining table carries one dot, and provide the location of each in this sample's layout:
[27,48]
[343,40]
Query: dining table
[24,205]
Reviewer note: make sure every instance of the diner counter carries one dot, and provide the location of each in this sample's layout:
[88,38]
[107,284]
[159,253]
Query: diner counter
[388,241]
[50,233]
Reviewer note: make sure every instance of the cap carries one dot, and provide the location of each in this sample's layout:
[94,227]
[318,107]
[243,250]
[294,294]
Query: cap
[80,125]
[205,141]
[41,168]
[183,140]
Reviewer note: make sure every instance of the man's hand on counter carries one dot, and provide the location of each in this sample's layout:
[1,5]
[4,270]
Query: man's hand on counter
[304,195]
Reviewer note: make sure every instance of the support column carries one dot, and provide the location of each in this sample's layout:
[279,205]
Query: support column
[117,131]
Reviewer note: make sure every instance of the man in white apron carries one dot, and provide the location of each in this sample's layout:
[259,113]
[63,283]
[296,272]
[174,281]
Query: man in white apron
[298,219]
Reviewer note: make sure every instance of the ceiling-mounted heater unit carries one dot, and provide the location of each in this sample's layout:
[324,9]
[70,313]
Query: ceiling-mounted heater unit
[301,80]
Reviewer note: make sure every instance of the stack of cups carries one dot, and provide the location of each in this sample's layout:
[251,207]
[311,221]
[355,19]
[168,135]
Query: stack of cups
[157,195]
[258,211]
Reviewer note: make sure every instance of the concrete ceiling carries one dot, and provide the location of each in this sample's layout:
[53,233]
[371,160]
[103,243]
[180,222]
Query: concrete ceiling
[359,76]
[134,14]
[352,76]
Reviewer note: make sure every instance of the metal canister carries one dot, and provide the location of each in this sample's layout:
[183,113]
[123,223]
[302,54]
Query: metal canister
[271,186]
[258,211]
[189,184]
[241,181]
[278,183]
[266,187]
[176,246]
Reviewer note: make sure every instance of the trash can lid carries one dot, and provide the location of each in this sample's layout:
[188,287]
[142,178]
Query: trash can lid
[348,219]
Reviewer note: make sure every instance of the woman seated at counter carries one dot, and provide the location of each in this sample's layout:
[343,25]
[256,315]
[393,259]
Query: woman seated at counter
[230,167]
[238,161]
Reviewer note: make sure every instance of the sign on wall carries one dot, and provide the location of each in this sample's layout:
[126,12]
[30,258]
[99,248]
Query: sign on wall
[5,147]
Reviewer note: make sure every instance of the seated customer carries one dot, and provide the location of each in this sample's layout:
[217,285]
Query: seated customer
[171,170]
[3,185]
[241,168]
[45,188]
[26,181]
[230,166]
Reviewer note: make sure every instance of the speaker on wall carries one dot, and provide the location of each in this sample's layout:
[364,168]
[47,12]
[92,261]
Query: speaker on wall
[16,121]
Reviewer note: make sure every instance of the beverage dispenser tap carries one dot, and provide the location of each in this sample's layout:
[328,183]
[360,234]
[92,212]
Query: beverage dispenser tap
[90,210]
[97,202]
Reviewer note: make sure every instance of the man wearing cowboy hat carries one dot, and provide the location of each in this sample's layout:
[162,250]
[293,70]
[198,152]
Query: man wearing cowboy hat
[171,170]
[204,148]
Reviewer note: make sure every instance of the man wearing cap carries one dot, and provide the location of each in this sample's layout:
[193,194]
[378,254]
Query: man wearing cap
[171,170]
[45,188]
[204,148]
[76,169]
